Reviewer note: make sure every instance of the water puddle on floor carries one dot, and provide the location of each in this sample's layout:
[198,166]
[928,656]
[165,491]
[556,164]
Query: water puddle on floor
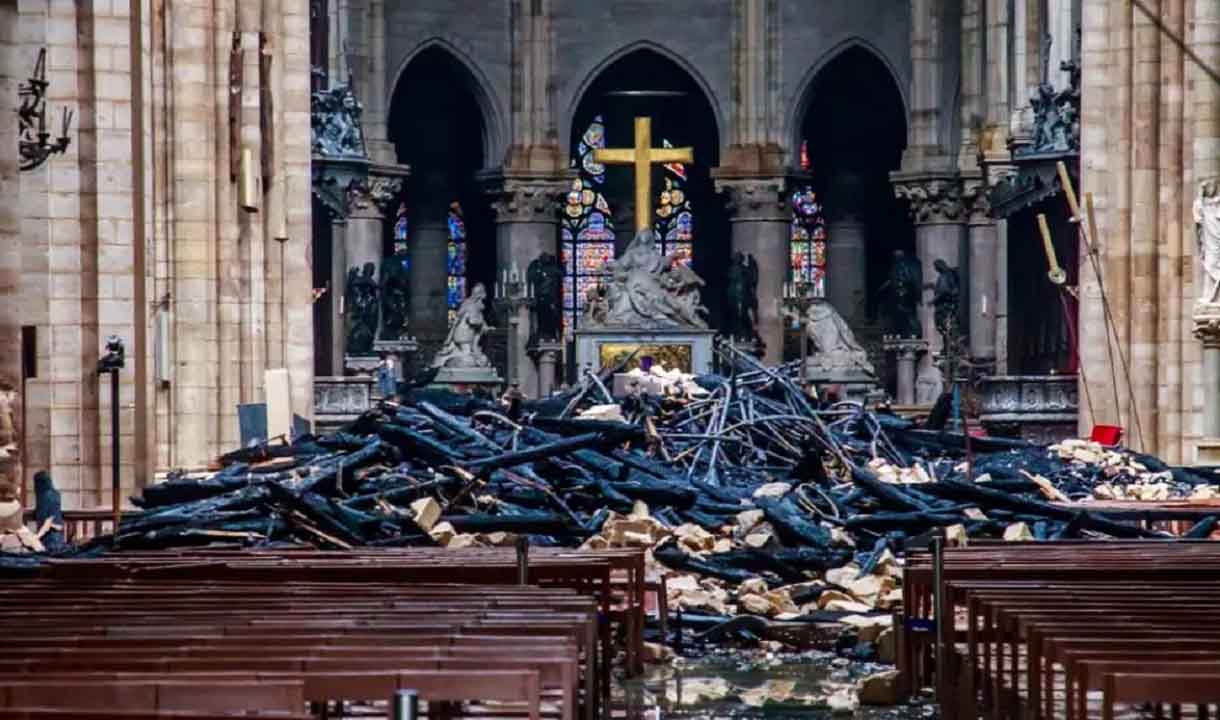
[733,684]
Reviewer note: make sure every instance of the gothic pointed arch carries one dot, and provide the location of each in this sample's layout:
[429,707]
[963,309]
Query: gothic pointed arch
[852,47]
[470,77]
[686,213]
[440,125]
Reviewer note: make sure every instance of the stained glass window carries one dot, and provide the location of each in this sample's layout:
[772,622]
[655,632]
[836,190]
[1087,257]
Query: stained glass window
[400,231]
[808,240]
[587,230]
[455,264]
[674,223]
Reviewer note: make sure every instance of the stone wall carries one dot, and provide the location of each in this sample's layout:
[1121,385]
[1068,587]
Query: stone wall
[10,247]
[698,35]
[1143,92]
[140,217]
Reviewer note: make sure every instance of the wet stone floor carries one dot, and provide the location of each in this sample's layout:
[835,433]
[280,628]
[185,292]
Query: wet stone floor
[743,685]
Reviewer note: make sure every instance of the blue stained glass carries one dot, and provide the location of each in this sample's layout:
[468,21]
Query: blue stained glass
[455,292]
[587,231]
[457,228]
[456,260]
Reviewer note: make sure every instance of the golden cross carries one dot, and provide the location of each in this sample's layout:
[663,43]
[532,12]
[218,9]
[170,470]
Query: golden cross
[643,156]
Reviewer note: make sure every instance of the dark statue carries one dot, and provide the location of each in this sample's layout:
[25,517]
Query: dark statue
[946,297]
[394,296]
[546,275]
[900,295]
[361,310]
[742,293]
[336,123]
[48,507]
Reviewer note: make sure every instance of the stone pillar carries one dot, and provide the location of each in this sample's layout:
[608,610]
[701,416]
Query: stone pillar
[548,356]
[846,259]
[938,213]
[10,246]
[376,114]
[338,289]
[527,225]
[759,215]
[1207,330]
[981,281]
[429,320]
[906,351]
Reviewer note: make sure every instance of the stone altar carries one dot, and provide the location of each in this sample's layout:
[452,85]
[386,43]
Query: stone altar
[1038,408]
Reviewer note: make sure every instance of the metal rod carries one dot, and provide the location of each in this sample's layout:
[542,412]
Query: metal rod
[406,705]
[115,488]
[523,560]
[938,607]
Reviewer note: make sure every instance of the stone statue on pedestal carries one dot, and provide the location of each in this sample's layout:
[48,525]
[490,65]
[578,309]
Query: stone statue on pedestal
[461,348]
[1207,228]
[395,289]
[361,310]
[545,274]
[743,298]
[835,346]
[647,291]
[901,291]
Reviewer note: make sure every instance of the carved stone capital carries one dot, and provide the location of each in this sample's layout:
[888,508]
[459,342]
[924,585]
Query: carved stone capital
[376,193]
[976,201]
[905,348]
[934,200]
[526,199]
[755,199]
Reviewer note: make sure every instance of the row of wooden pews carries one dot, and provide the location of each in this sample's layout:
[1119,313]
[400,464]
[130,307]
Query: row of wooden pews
[278,631]
[1069,629]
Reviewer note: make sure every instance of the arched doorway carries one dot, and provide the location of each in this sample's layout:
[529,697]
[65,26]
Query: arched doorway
[438,127]
[852,135]
[687,214]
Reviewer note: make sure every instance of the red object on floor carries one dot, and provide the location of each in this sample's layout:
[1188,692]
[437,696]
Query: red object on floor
[1107,434]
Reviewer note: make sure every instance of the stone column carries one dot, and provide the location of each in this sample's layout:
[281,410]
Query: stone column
[548,356]
[907,352]
[429,237]
[369,204]
[938,213]
[10,245]
[1207,330]
[376,114]
[759,215]
[527,225]
[846,259]
[981,292]
[338,289]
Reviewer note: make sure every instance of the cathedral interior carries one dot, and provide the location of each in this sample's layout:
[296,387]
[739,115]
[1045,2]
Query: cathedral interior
[609,359]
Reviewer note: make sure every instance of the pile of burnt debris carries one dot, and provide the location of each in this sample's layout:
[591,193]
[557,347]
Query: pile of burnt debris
[748,495]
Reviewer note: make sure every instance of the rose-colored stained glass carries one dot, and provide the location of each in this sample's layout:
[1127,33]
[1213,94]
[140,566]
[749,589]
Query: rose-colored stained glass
[587,231]
[591,258]
[567,255]
[583,285]
[675,222]
[808,238]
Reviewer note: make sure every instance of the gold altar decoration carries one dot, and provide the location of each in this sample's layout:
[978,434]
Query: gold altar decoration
[643,155]
[668,355]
